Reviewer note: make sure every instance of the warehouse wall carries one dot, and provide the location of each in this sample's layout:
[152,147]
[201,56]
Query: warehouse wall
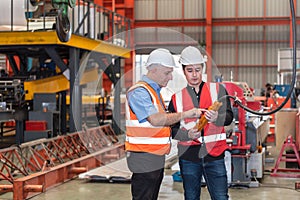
[250,53]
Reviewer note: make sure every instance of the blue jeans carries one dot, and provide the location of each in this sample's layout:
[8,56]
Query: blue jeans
[214,174]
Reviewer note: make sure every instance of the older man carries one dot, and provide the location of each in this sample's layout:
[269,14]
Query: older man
[147,126]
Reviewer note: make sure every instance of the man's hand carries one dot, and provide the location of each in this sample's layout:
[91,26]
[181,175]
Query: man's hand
[193,113]
[211,115]
[194,133]
[167,119]
[298,114]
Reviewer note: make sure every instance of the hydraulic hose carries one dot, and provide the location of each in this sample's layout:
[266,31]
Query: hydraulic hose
[239,102]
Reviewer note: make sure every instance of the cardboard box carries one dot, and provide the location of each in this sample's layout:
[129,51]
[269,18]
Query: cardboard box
[285,125]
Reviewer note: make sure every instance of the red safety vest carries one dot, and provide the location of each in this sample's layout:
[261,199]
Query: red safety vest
[214,136]
[142,136]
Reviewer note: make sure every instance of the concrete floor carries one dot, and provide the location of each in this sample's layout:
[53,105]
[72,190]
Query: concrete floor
[270,188]
[274,188]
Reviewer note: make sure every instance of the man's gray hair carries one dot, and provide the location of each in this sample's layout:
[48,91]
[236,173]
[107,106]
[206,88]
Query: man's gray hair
[152,66]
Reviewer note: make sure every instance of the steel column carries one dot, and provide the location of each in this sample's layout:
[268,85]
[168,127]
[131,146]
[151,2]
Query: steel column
[75,91]
[209,38]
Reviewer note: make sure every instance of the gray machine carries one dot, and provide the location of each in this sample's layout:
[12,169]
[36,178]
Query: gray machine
[44,109]
[249,167]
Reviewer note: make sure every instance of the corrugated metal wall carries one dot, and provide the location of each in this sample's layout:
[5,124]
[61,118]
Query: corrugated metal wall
[144,9]
[278,8]
[169,9]
[249,53]
[223,9]
[194,9]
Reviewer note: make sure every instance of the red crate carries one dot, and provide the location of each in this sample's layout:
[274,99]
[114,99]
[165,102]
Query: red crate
[35,125]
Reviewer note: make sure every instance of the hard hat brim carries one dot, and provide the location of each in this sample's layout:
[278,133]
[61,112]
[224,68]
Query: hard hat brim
[170,66]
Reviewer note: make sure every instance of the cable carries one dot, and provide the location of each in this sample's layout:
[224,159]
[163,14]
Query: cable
[239,102]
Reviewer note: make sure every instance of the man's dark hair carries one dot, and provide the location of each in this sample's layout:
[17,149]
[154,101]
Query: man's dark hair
[269,86]
[184,66]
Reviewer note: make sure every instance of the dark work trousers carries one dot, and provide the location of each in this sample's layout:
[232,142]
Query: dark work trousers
[145,186]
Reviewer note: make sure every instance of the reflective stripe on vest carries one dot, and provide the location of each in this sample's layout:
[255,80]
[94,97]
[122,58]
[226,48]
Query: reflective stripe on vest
[213,91]
[137,123]
[144,137]
[147,140]
[179,108]
[212,138]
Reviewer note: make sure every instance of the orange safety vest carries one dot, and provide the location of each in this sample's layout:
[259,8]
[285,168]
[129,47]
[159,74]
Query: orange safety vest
[214,136]
[142,136]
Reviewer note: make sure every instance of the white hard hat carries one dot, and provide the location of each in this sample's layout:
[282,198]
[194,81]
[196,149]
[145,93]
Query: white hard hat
[191,56]
[162,57]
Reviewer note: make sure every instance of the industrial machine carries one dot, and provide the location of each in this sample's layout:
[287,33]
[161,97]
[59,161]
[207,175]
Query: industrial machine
[247,155]
[23,16]
[40,60]
[63,25]
[11,93]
